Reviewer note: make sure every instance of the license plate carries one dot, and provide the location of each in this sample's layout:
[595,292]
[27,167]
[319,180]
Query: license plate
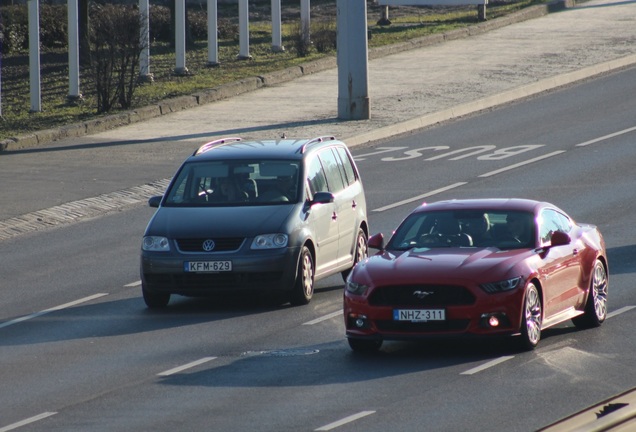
[207,266]
[422,315]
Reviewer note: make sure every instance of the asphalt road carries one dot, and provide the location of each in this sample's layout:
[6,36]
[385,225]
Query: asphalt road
[79,351]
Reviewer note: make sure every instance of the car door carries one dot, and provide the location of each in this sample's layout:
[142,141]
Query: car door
[322,219]
[343,215]
[562,264]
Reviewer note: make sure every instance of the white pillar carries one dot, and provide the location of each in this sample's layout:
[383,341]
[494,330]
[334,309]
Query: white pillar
[179,36]
[352,57]
[277,35]
[213,37]
[34,55]
[244,30]
[305,21]
[73,53]
[144,40]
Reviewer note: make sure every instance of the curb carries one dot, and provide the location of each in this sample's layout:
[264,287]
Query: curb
[249,84]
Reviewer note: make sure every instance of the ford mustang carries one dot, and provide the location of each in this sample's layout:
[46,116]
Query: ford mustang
[504,267]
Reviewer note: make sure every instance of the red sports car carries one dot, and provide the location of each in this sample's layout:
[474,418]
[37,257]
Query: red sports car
[478,267]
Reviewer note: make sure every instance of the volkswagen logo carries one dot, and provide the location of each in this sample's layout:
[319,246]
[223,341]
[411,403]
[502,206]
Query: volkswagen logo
[422,294]
[208,245]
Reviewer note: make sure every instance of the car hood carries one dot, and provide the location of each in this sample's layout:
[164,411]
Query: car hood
[192,222]
[418,265]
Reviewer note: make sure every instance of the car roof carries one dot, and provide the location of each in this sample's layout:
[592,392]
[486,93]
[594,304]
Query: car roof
[236,148]
[517,204]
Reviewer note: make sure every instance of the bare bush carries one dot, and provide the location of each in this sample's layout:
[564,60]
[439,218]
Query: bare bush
[115,49]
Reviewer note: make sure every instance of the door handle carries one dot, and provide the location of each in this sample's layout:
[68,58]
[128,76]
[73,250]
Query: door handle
[334,216]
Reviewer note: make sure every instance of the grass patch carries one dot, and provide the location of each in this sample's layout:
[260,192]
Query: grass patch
[407,23]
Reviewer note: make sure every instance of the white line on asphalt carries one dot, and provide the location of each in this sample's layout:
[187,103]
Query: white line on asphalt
[603,138]
[53,309]
[620,311]
[186,366]
[27,421]
[324,318]
[381,150]
[419,197]
[345,420]
[487,365]
[133,284]
[517,165]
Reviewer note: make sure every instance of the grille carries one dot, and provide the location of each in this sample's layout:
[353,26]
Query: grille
[220,244]
[431,295]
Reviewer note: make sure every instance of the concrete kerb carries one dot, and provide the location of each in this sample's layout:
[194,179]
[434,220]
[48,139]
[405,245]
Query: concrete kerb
[491,101]
[229,90]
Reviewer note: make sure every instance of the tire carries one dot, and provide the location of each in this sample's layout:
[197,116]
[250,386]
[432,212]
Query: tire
[359,254]
[532,319]
[155,300]
[596,304]
[303,289]
[364,345]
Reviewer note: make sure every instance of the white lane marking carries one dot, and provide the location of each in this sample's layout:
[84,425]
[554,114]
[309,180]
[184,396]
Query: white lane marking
[27,421]
[53,309]
[620,311]
[419,197]
[487,365]
[133,284]
[381,150]
[186,366]
[345,420]
[605,137]
[324,318]
[526,162]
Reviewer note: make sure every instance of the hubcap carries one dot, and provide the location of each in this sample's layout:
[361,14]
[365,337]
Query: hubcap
[308,275]
[599,291]
[362,249]
[533,315]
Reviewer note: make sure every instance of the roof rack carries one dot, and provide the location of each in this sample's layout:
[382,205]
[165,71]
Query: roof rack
[316,140]
[216,143]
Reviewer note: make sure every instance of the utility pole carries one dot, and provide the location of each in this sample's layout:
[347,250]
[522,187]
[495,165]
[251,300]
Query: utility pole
[353,60]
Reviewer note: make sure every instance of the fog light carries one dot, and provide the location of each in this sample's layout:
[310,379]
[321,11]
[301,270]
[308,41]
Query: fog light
[359,321]
[494,320]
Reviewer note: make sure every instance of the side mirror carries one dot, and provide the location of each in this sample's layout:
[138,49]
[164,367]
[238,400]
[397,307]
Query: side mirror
[323,198]
[376,241]
[560,239]
[155,201]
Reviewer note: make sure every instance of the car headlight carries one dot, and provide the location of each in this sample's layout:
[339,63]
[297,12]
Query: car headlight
[355,288]
[155,244]
[270,241]
[501,286]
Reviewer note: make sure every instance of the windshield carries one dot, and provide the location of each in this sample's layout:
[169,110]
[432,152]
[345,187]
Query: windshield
[235,183]
[465,228]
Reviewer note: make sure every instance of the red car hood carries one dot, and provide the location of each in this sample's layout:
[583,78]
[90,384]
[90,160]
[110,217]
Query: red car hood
[443,264]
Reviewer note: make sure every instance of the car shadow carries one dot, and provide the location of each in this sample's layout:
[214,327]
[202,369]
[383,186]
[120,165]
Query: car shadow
[621,259]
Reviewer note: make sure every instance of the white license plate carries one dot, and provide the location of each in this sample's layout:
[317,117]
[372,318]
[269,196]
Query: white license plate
[207,266]
[422,315]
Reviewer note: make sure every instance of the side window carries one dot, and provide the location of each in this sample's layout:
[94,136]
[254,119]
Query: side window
[552,221]
[349,172]
[316,177]
[332,170]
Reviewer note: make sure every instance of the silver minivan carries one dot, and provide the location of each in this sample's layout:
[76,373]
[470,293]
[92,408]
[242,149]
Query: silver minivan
[254,217]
